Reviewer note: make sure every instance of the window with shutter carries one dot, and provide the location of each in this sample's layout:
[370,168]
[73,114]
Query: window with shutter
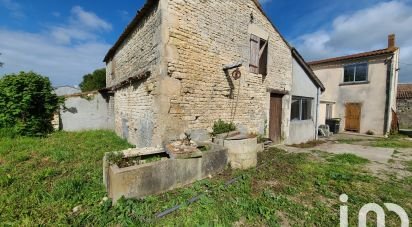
[258,55]
[254,53]
[263,57]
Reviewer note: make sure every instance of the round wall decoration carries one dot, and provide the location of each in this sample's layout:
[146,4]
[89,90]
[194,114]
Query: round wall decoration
[236,74]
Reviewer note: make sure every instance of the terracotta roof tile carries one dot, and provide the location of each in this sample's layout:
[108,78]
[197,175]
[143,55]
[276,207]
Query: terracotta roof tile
[355,56]
[405,91]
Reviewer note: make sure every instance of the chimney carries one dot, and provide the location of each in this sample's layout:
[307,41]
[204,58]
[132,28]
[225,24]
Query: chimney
[391,41]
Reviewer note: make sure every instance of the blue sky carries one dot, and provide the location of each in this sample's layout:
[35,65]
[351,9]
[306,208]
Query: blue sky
[66,39]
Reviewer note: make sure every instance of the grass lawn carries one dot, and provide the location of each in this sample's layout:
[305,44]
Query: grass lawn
[41,180]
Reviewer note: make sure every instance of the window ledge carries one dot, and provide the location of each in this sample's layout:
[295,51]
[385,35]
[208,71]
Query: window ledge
[301,121]
[353,83]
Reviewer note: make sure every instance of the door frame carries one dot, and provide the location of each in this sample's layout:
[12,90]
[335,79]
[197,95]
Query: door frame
[275,134]
[359,105]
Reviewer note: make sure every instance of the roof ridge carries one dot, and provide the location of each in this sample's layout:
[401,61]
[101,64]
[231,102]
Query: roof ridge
[354,56]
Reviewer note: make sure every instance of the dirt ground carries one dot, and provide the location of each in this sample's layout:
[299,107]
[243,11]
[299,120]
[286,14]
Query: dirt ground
[384,161]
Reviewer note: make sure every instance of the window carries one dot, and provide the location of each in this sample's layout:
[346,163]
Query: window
[356,73]
[301,109]
[258,55]
[329,111]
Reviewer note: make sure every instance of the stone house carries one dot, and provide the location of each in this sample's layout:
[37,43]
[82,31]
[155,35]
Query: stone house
[360,89]
[179,66]
[404,103]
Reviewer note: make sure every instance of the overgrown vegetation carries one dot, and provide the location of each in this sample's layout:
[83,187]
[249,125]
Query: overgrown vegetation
[309,144]
[43,179]
[221,126]
[394,141]
[27,104]
[94,81]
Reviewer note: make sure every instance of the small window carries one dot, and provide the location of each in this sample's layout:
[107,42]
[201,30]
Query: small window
[356,73]
[301,109]
[258,55]
[329,111]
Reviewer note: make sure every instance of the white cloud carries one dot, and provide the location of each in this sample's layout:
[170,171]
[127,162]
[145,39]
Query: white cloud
[63,52]
[364,30]
[14,8]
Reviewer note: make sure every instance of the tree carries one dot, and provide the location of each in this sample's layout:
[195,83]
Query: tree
[27,103]
[94,81]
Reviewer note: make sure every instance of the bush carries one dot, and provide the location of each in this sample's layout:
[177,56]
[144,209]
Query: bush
[27,103]
[220,127]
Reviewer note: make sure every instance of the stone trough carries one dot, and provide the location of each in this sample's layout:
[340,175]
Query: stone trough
[160,176]
[242,149]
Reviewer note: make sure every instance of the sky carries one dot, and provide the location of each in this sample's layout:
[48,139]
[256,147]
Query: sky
[65,40]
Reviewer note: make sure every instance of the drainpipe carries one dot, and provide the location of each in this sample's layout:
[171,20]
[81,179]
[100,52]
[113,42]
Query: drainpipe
[317,113]
[388,95]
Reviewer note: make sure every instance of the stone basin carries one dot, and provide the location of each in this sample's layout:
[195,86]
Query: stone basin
[157,177]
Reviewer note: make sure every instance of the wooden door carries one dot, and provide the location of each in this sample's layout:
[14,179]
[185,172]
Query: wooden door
[275,118]
[352,118]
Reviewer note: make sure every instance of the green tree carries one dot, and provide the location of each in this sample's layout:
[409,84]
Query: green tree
[94,81]
[27,103]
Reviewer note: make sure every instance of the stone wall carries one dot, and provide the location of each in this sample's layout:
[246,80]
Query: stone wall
[85,111]
[134,107]
[202,37]
[405,113]
[185,45]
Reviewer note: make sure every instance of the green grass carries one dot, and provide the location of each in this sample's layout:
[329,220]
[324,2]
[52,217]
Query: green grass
[43,179]
[392,143]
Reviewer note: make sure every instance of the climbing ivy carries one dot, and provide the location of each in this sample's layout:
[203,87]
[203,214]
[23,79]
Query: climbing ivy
[27,103]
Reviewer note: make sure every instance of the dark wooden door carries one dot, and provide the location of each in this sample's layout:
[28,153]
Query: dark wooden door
[352,118]
[275,118]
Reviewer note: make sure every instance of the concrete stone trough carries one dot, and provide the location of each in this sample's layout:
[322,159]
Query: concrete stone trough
[156,177]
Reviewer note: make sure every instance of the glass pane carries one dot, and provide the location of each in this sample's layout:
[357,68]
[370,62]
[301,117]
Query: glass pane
[294,114]
[349,73]
[361,72]
[306,109]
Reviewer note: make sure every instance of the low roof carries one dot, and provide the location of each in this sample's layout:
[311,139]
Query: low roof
[355,56]
[307,69]
[404,91]
[147,9]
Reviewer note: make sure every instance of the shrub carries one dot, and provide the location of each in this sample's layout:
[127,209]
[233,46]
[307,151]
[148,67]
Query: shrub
[220,127]
[27,103]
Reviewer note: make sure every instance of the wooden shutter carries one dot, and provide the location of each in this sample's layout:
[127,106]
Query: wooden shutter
[254,54]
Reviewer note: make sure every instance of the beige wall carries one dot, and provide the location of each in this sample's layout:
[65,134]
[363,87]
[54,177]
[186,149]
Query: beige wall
[371,95]
[303,131]
[204,36]
[185,45]
[134,105]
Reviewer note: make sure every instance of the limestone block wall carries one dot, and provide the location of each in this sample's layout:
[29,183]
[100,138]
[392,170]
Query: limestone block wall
[134,105]
[405,113]
[202,37]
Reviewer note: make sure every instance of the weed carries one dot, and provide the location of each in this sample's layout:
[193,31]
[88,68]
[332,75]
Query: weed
[309,144]
[220,127]
[349,159]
